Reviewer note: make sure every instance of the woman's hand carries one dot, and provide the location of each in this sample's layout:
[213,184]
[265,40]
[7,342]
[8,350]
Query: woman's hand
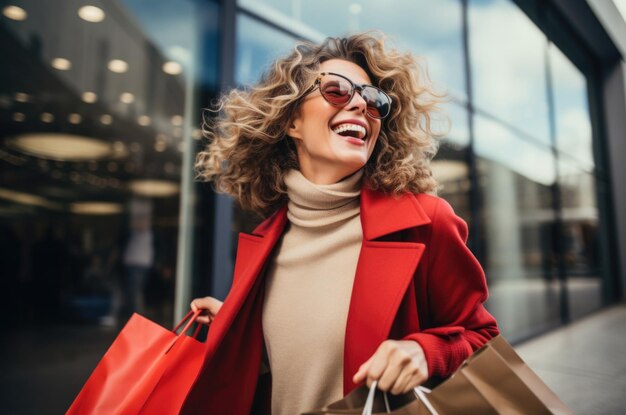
[398,365]
[211,307]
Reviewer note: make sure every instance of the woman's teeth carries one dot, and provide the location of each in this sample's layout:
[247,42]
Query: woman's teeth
[352,130]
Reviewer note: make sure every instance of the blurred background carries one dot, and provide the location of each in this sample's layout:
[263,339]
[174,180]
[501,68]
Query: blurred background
[101,107]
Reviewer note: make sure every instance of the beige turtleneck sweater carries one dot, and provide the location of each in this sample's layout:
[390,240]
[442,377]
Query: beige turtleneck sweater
[307,294]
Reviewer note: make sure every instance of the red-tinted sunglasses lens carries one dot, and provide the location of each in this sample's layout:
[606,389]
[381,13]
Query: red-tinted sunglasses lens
[338,91]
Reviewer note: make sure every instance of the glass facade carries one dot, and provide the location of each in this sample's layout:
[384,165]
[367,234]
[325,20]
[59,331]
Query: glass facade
[519,116]
[100,112]
[100,107]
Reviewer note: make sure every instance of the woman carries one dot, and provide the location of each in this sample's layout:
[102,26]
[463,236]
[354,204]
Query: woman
[358,274]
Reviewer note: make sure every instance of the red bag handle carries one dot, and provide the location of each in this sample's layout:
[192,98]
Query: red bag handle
[194,316]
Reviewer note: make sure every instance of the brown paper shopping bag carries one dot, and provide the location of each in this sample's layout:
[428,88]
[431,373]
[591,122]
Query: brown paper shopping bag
[370,401]
[493,380]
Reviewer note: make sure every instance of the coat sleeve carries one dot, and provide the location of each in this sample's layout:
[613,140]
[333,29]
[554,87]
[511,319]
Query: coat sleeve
[453,319]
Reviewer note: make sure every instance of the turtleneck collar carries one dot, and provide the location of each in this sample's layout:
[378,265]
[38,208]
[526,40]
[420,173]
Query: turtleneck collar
[314,205]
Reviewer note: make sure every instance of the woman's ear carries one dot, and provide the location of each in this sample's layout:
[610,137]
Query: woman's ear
[294,129]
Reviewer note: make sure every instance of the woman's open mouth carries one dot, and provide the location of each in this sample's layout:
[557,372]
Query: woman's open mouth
[351,131]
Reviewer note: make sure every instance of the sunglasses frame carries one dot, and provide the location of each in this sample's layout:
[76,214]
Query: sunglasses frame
[354,88]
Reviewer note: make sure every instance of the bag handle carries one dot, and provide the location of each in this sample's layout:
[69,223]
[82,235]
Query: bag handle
[191,316]
[420,393]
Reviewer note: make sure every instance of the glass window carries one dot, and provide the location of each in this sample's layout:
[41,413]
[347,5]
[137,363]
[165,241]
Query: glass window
[451,171]
[507,54]
[580,238]
[571,107]
[257,46]
[517,228]
[431,29]
[450,164]
[458,118]
[98,108]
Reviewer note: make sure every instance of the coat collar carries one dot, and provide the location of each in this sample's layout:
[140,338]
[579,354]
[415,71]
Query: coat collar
[381,215]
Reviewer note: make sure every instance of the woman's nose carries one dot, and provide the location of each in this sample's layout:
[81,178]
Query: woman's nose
[357,102]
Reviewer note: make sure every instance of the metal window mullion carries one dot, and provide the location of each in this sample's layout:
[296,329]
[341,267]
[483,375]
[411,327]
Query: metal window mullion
[475,192]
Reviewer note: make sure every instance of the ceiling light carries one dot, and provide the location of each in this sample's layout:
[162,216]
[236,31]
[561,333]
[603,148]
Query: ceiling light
[117,66]
[119,150]
[172,68]
[144,120]
[96,208]
[47,117]
[91,14]
[15,13]
[61,64]
[67,147]
[127,98]
[196,134]
[27,199]
[160,146]
[177,120]
[21,97]
[74,118]
[106,119]
[19,116]
[119,146]
[89,97]
[154,188]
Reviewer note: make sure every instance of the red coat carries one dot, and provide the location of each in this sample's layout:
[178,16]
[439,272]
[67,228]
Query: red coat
[415,279]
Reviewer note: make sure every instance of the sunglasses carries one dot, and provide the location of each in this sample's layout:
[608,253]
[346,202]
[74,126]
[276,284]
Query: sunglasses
[338,90]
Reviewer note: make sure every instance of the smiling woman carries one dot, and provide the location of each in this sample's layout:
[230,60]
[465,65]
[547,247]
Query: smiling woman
[359,275]
[334,140]
[260,150]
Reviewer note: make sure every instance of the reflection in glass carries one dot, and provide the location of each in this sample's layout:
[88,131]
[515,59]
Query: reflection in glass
[517,227]
[93,161]
[451,171]
[257,46]
[571,108]
[579,238]
[457,122]
[431,29]
[508,66]
[450,164]
[498,143]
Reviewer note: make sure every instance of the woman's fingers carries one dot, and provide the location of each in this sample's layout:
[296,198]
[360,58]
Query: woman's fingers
[398,366]
[361,374]
[390,367]
[204,319]
[211,307]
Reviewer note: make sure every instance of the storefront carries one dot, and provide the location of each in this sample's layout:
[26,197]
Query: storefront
[101,110]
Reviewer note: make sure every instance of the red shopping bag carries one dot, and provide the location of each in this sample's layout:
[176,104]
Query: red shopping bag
[148,369]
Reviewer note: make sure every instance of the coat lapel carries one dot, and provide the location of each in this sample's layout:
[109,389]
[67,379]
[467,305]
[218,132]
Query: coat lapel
[384,272]
[253,250]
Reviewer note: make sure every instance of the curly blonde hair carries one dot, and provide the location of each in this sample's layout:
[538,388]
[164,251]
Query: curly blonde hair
[249,153]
